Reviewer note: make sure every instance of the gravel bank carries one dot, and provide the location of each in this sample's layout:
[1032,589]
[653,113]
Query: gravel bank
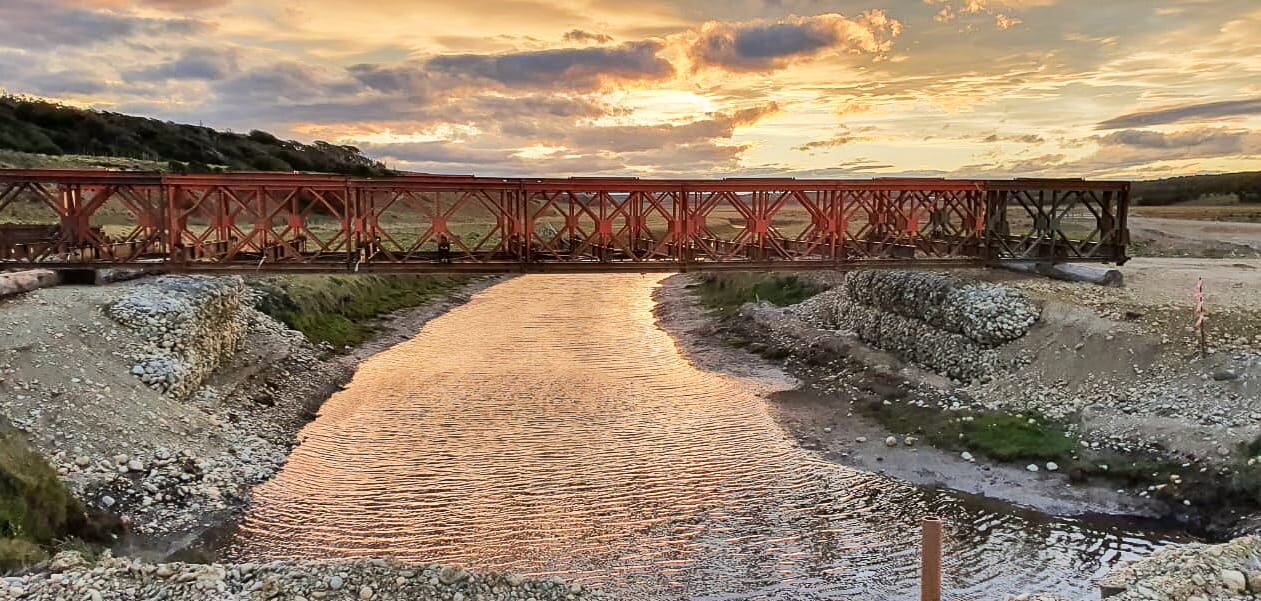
[70,576]
[1131,387]
[1150,417]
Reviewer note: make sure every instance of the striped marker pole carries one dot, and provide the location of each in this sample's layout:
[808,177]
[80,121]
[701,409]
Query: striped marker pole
[1200,317]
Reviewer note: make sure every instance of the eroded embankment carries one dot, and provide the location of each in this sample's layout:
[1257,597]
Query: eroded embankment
[989,372]
[165,400]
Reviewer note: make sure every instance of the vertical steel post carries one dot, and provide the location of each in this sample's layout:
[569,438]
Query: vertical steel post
[930,574]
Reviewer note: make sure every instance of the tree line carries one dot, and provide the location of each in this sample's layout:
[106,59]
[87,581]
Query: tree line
[1245,186]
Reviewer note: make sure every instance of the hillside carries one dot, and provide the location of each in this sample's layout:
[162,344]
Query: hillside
[35,127]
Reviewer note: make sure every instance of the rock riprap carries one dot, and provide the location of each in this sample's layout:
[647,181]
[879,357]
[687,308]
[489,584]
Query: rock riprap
[189,324]
[70,576]
[949,325]
[1189,572]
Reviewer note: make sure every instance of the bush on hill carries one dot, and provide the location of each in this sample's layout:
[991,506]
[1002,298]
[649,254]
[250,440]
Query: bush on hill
[41,127]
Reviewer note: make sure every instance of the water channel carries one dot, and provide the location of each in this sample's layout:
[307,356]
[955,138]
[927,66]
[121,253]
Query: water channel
[550,427]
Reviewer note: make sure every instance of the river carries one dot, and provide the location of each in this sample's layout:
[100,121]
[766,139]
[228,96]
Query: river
[550,427]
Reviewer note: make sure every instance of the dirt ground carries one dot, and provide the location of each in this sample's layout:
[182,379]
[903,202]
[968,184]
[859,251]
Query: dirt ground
[1152,236]
[1159,298]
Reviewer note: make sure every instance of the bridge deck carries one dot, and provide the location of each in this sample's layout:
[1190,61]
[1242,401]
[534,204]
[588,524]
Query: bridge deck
[430,223]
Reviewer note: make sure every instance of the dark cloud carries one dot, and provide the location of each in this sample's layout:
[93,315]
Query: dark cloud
[283,83]
[34,24]
[1190,112]
[407,78]
[70,83]
[1218,141]
[579,36]
[184,5]
[762,46]
[1018,138]
[168,5]
[208,64]
[575,68]
[832,142]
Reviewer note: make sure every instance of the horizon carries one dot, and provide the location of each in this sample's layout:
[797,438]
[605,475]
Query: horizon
[986,89]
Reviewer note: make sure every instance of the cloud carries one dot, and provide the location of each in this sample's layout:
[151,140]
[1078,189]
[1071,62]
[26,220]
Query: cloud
[71,83]
[283,83]
[408,78]
[167,5]
[1122,150]
[42,24]
[636,138]
[208,64]
[699,146]
[1018,138]
[183,5]
[950,10]
[586,37]
[768,45]
[577,68]
[1188,112]
[1198,142]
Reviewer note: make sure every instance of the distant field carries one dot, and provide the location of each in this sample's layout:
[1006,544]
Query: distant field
[1248,213]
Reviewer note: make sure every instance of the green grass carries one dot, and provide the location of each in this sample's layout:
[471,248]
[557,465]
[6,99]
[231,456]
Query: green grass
[36,509]
[340,310]
[1001,436]
[725,293]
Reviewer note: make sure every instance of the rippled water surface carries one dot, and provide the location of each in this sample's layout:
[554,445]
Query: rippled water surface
[550,427]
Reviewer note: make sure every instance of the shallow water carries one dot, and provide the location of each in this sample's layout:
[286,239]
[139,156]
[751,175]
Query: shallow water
[549,427]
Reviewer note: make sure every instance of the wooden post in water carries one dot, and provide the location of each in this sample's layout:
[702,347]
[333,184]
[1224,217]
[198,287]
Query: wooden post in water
[930,574]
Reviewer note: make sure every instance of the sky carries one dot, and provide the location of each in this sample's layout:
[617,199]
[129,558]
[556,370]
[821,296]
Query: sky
[679,88]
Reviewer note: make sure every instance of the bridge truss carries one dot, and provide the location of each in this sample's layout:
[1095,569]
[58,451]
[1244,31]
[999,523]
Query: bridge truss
[324,223]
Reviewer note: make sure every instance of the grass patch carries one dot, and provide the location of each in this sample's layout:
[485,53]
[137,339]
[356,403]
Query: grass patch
[725,293]
[36,509]
[1001,436]
[1009,437]
[338,309]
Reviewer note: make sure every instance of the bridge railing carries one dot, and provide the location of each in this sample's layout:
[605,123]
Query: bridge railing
[272,221]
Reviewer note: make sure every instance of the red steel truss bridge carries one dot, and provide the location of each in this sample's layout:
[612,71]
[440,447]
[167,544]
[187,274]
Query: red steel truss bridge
[72,219]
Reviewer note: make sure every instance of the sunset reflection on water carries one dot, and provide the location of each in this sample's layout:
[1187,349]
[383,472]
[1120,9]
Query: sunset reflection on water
[549,427]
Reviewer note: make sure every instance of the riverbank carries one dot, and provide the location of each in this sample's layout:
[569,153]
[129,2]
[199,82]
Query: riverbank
[164,401]
[823,413]
[1108,411]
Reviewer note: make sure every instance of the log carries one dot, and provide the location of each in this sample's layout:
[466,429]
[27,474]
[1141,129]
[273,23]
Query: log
[1112,278]
[24,281]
